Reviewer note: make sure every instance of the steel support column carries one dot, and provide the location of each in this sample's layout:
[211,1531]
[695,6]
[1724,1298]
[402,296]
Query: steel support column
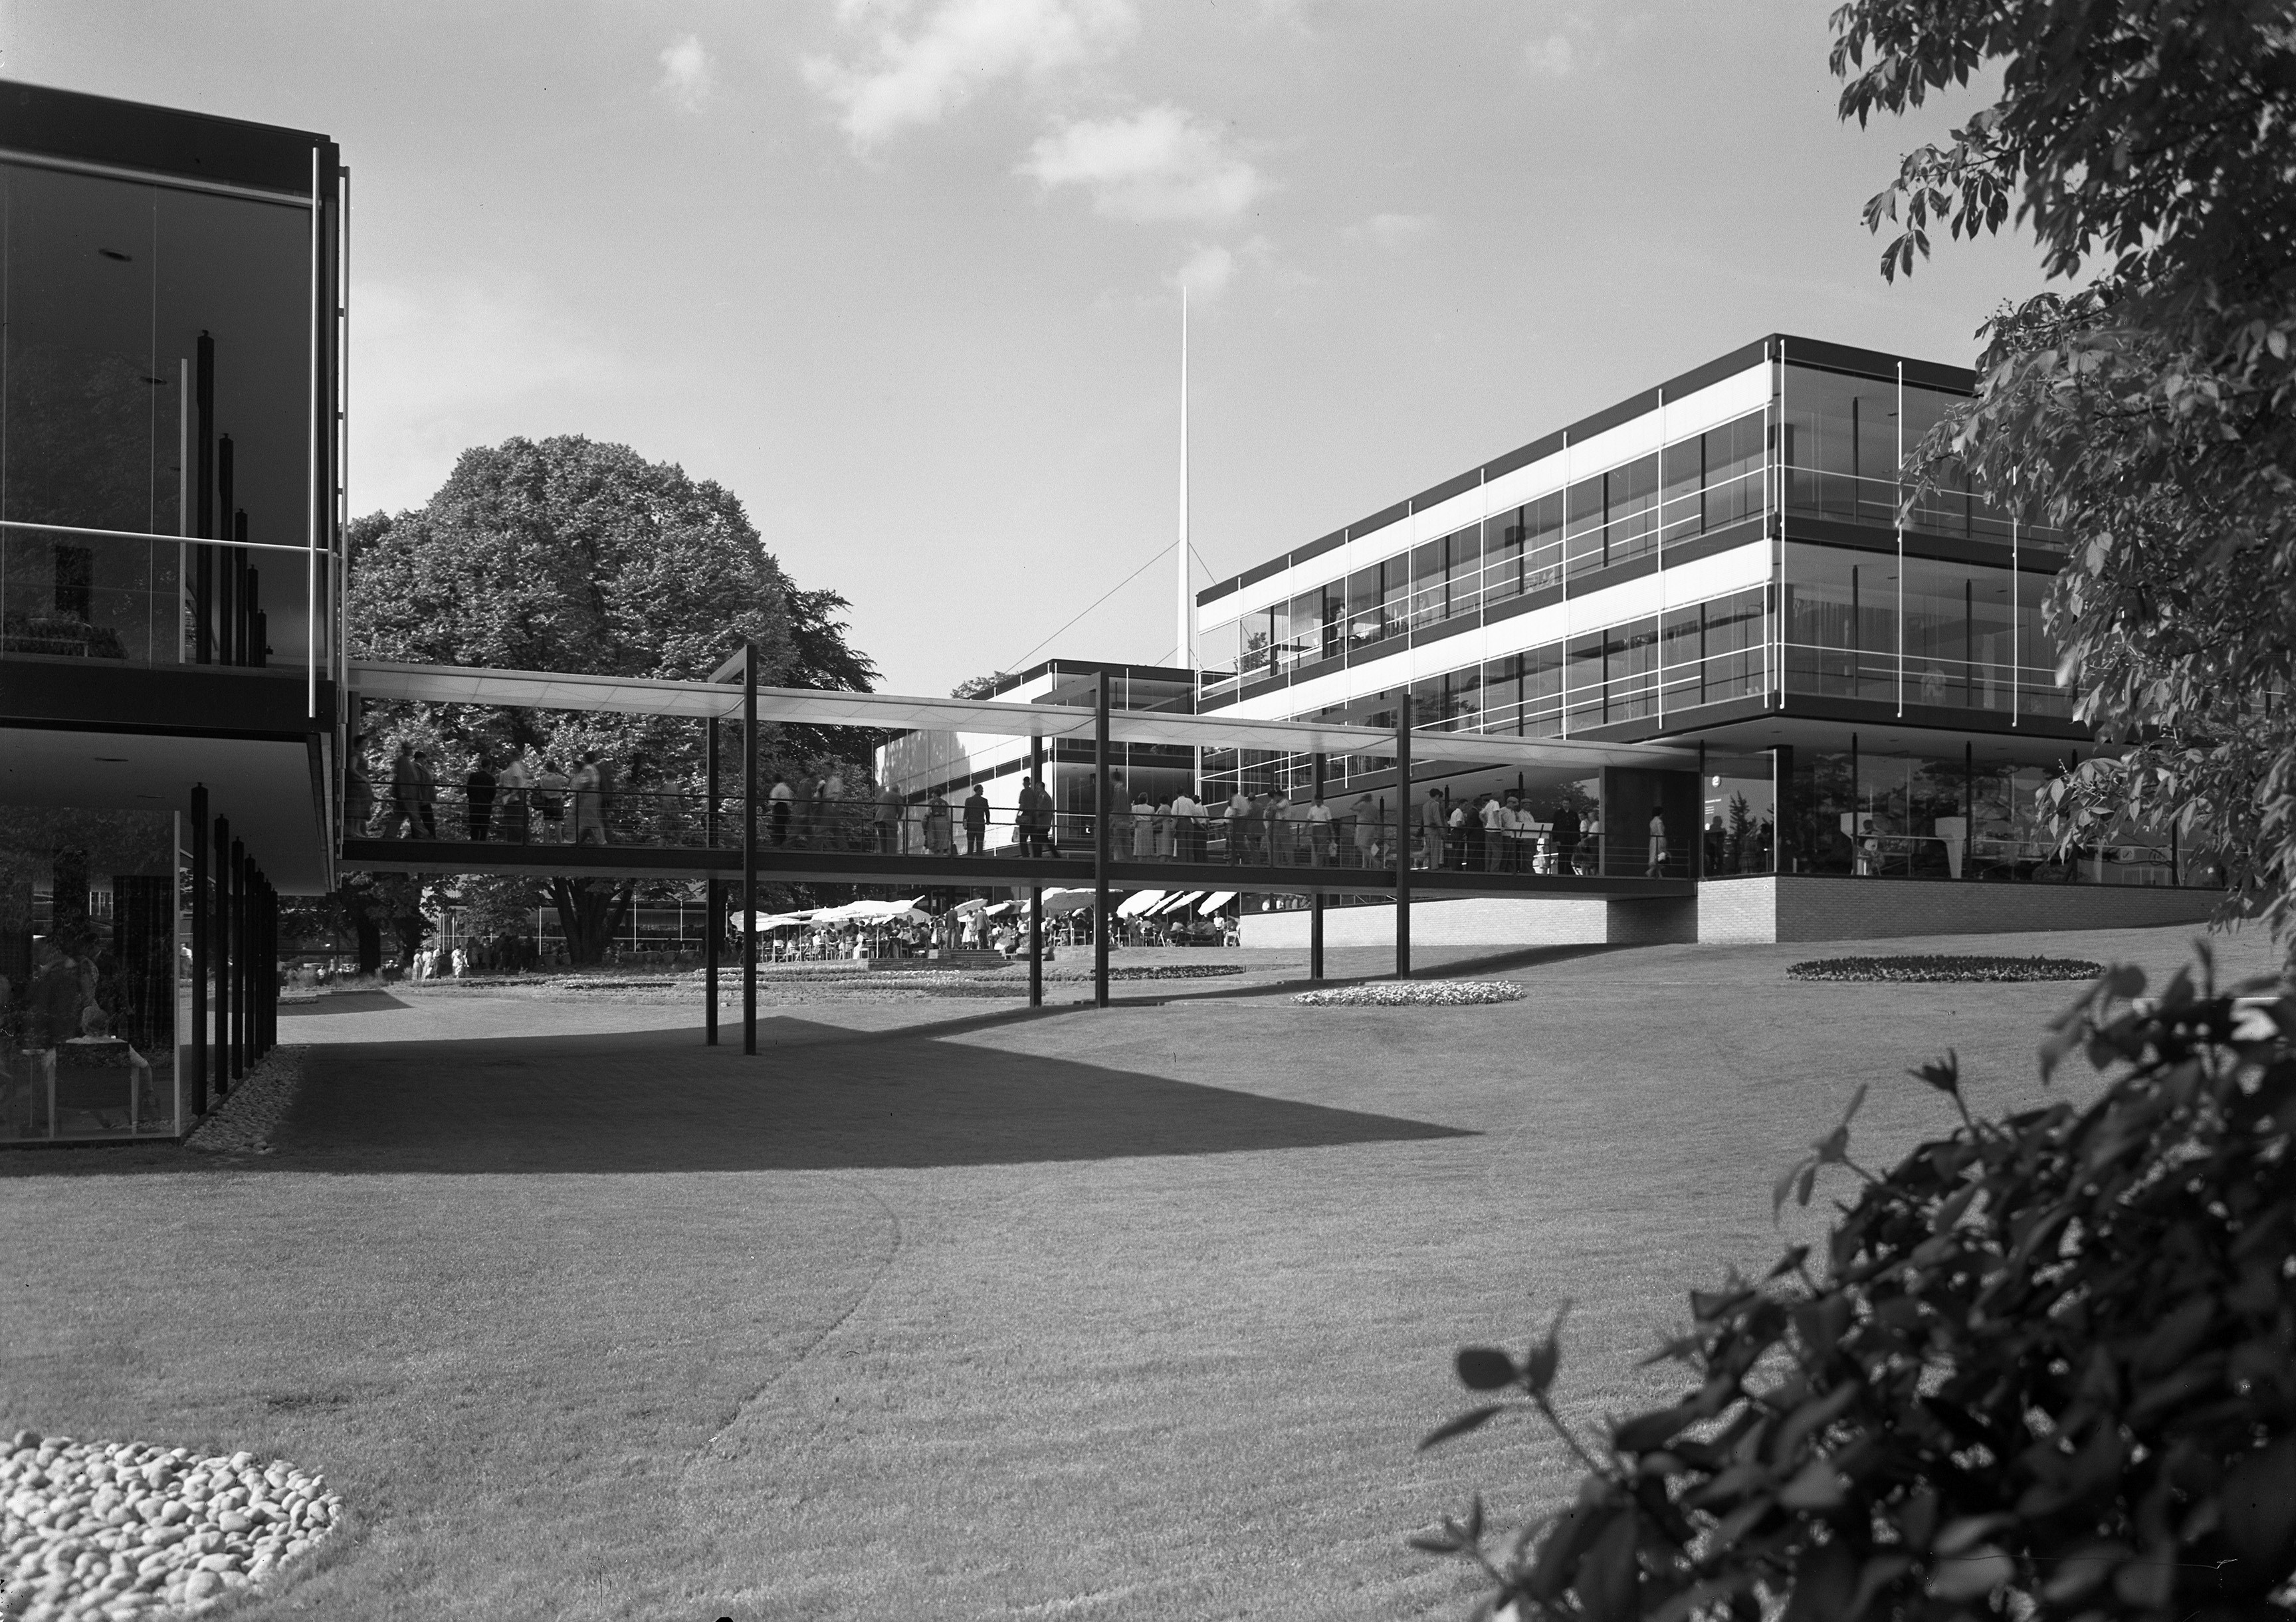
[1316,903]
[1404,813]
[748,847]
[1036,892]
[240,975]
[1100,813]
[713,912]
[222,926]
[197,1034]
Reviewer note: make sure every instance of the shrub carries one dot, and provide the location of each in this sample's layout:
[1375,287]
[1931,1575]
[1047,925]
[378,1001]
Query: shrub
[2045,1368]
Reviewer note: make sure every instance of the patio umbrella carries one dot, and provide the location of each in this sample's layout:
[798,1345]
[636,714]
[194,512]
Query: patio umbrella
[1212,903]
[1139,902]
[1175,905]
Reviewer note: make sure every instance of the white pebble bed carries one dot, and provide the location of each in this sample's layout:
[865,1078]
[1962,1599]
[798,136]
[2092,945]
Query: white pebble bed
[243,1123]
[1413,993]
[120,1529]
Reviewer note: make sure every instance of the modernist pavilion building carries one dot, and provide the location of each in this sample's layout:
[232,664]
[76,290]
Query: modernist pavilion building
[169,666]
[1720,561]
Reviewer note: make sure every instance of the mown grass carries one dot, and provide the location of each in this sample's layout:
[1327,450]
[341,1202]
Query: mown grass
[1123,1313]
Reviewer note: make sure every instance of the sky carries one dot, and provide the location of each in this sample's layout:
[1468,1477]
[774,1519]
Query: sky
[905,275]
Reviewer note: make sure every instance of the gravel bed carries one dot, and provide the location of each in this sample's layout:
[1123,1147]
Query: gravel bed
[1413,993]
[120,1529]
[1941,967]
[243,1123]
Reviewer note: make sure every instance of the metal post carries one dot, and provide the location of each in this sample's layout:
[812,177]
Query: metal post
[1100,809]
[221,923]
[1404,812]
[197,1030]
[748,847]
[239,957]
[713,911]
[1316,904]
[203,520]
[1036,892]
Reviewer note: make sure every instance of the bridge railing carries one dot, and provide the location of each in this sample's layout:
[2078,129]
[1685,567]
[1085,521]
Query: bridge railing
[680,821]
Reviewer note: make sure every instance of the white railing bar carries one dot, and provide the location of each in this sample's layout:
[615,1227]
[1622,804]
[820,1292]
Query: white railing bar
[145,535]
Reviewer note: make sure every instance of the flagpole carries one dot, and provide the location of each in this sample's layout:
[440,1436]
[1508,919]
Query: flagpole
[1186,657]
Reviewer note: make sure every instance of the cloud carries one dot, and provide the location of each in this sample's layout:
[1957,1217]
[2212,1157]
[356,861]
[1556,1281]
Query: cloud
[447,364]
[688,76]
[1391,231]
[1205,272]
[1160,164]
[1554,56]
[918,77]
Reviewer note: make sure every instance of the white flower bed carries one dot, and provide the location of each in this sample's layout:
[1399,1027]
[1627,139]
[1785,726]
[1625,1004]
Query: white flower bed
[118,1529]
[1414,993]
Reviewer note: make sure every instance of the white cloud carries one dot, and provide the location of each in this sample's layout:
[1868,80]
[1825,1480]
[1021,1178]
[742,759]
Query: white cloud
[1554,56]
[1205,272]
[688,76]
[920,75]
[1394,231]
[1160,164]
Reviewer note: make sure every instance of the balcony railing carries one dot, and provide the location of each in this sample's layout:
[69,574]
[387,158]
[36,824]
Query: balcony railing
[69,592]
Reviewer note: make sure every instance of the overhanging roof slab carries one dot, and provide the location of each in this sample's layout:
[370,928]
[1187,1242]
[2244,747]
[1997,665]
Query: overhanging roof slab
[704,701]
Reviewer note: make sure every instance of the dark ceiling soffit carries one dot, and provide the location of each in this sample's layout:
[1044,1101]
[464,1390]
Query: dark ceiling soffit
[67,125]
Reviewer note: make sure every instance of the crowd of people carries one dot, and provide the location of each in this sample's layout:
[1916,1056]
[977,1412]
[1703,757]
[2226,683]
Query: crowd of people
[532,798]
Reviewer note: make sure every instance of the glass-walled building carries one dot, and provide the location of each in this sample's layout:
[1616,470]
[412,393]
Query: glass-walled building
[918,765]
[170,504]
[1726,560]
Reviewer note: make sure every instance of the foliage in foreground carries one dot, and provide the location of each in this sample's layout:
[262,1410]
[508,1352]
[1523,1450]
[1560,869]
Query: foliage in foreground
[2149,411]
[1919,967]
[2045,1368]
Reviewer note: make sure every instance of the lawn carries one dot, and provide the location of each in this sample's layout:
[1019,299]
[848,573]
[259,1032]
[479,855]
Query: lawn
[947,1309]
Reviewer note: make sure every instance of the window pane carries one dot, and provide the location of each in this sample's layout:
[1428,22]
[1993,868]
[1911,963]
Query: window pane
[1583,533]
[1583,673]
[1632,496]
[1542,691]
[1503,536]
[1682,509]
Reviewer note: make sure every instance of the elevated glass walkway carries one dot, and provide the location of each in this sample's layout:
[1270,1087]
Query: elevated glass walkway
[737,830]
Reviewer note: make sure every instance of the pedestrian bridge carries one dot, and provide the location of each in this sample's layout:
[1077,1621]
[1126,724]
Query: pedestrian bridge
[735,830]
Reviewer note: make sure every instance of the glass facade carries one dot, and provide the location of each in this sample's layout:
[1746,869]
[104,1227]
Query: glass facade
[92,941]
[136,316]
[1711,481]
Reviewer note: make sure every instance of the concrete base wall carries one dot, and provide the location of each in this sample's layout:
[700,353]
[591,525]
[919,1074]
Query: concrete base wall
[1489,920]
[1799,907]
[1785,907]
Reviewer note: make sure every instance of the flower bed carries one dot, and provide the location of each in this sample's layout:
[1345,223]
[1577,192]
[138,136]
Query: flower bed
[1943,968]
[1413,993]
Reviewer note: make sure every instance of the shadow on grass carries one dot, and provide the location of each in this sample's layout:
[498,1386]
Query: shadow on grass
[815,1097]
[342,1003]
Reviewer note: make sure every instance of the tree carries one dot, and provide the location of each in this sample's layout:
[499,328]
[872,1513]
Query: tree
[2150,411]
[570,555]
[979,686]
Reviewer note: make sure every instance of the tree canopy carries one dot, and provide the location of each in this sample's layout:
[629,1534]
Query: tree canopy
[567,554]
[2147,408]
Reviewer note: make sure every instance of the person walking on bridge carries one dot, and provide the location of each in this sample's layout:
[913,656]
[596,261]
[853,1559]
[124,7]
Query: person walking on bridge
[976,821]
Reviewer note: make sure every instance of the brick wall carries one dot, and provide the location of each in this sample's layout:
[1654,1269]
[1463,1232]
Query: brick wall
[1790,907]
